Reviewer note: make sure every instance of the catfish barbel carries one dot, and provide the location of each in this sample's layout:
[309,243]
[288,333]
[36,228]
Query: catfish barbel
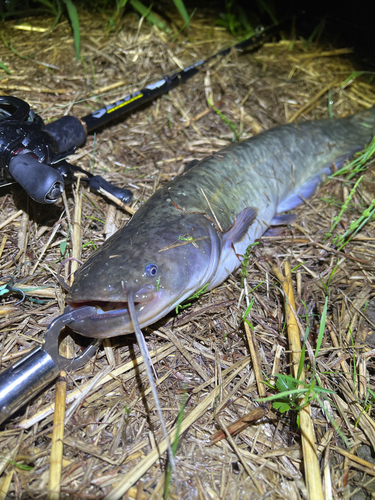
[193,230]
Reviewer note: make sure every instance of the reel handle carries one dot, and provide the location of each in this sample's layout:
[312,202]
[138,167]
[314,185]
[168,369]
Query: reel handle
[43,183]
[69,132]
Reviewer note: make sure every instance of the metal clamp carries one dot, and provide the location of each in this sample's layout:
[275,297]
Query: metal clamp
[27,377]
[51,340]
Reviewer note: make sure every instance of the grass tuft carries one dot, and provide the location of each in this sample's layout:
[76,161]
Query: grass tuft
[358,164]
[337,219]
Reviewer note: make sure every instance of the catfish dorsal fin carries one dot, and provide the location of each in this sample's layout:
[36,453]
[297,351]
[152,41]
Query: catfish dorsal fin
[190,165]
[241,225]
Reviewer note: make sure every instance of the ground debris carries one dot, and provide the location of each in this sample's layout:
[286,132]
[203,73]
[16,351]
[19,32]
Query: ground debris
[112,433]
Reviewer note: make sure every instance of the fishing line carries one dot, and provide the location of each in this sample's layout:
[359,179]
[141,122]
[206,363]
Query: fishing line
[145,354]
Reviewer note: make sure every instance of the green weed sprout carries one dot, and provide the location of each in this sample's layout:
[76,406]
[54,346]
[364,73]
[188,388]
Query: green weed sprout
[226,120]
[195,295]
[175,443]
[291,389]
[290,392]
[245,262]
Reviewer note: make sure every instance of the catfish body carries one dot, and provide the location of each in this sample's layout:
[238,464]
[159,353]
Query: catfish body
[191,232]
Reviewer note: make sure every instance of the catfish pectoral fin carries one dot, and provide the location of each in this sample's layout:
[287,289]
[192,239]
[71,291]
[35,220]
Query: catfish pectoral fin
[240,226]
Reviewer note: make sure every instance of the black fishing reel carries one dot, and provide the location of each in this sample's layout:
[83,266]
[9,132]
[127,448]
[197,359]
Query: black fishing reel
[34,155]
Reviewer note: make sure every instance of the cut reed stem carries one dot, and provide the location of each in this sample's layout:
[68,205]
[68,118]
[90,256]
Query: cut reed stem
[57,439]
[310,459]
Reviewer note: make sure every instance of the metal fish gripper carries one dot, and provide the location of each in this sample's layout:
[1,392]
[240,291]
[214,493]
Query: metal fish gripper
[27,377]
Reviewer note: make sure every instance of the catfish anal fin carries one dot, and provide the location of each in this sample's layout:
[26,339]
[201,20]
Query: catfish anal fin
[283,220]
[277,222]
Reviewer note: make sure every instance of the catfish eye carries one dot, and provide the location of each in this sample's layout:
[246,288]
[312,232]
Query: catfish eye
[151,270]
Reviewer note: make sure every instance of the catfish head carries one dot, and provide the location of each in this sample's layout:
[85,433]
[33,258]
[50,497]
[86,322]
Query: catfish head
[156,261]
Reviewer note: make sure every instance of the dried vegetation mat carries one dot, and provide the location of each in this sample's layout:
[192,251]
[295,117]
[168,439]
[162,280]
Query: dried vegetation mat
[299,289]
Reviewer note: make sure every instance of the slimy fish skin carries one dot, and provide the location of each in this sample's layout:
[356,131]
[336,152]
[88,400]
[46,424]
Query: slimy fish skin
[193,230]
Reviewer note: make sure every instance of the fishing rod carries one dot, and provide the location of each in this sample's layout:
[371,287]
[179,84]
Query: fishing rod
[34,154]
[164,85]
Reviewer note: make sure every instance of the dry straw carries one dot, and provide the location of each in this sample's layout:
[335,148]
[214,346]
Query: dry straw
[108,444]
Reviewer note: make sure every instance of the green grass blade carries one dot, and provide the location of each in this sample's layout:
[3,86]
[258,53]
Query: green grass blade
[298,392]
[356,226]
[242,17]
[355,376]
[184,26]
[195,295]
[180,418]
[50,6]
[73,16]
[266,7]
[338,218]
[21,466]
[226,120]
[303,350]
[147,14]
[313,34]
[182,10]
[358,163]
[321,328]
[249,308]
[58,15]
[333,423]
[5,68]
[302,357]
[353,76]
[120,5]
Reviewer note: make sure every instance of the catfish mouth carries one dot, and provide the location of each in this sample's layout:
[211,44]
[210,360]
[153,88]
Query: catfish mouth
[112,318]
[103,308]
